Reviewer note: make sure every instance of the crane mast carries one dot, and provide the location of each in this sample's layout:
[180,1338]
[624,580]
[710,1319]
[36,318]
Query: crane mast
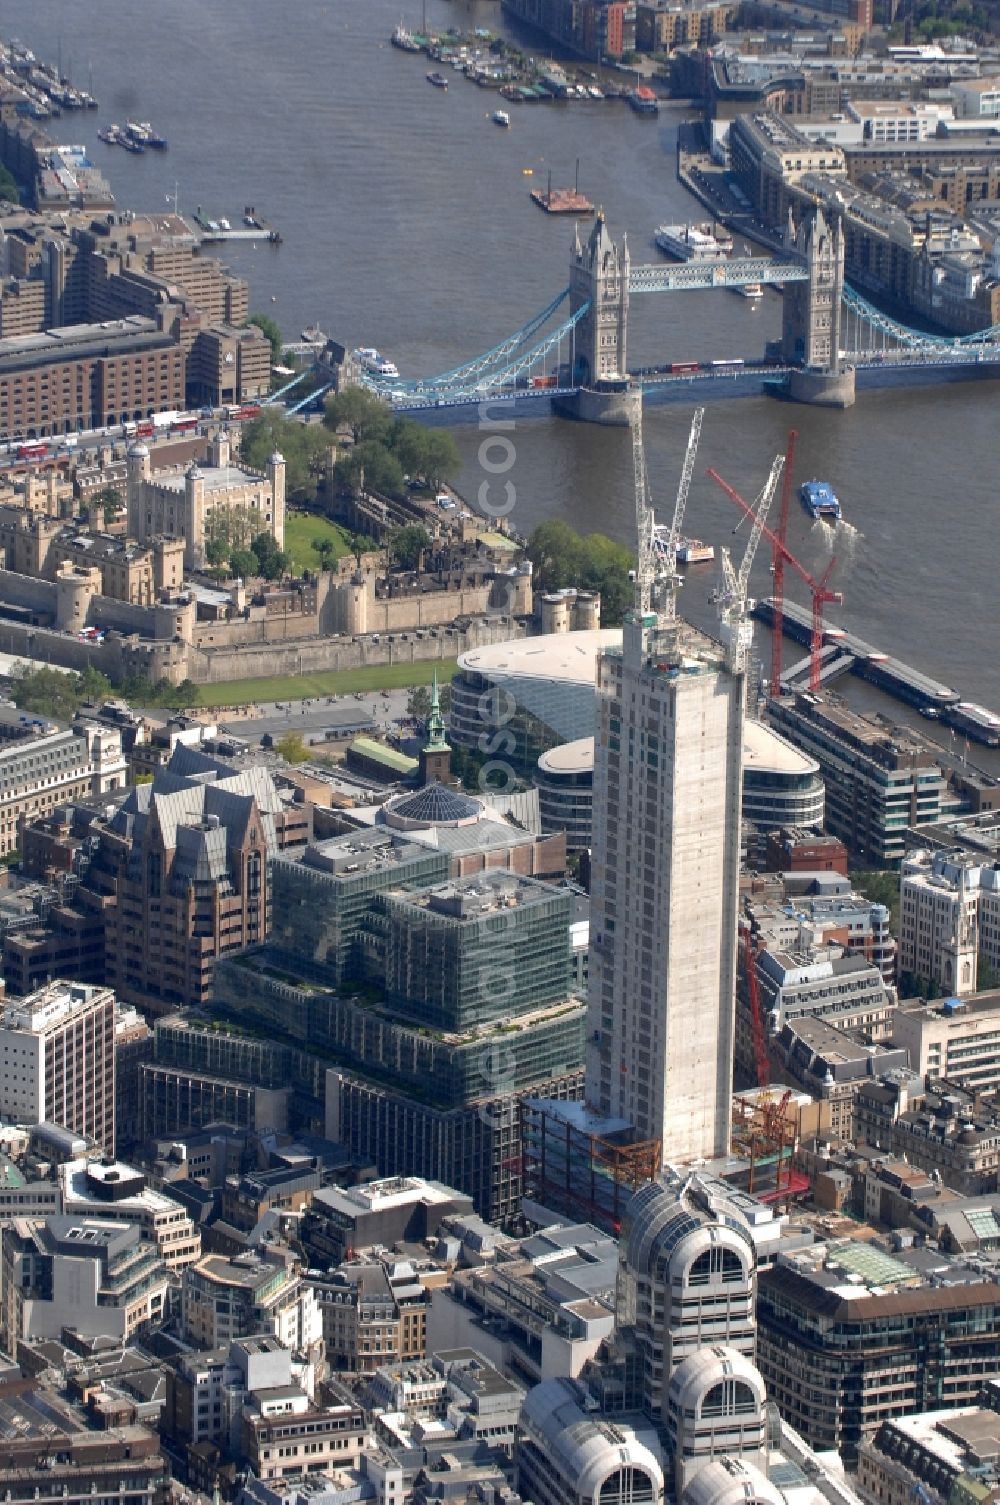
[778,568]
[646,569]
[656,578]
[733,598]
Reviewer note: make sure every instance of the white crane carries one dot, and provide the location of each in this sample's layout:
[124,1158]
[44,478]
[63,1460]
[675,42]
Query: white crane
[656,576]
[667,540]
[732,598]
[645,525]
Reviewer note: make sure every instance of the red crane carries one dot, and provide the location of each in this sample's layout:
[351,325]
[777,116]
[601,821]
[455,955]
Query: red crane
[821,594]
[778,567]
[761,1058]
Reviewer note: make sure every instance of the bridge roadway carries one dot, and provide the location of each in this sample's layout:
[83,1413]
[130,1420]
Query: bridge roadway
[689,276]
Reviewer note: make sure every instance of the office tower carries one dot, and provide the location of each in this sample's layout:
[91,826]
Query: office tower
[57,1060]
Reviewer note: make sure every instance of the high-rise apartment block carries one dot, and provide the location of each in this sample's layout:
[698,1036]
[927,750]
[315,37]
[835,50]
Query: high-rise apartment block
[665,868]
[57,1060]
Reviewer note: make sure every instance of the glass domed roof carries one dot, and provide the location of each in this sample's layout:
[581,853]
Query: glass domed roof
[434,805]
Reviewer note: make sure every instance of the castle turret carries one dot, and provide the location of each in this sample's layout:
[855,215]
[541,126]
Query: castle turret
[276,475]
[138,470]
[194,517]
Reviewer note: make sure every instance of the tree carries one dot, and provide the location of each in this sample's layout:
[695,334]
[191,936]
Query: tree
[305,447]
[370,466]
[407,544]
[53,692]
[881,887]
[108,502]
[216,552]
[272,332]
[271,561]
[228,528]
[561,557]
[93,684]
[555,554]
[442,461]
[418,703]
[292,748]
[8,186]
[409,445]
[987,975]
[362,412]
[326,548]
[243,562]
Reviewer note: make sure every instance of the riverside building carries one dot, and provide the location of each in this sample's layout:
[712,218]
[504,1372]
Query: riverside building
[781,787]
[879,779]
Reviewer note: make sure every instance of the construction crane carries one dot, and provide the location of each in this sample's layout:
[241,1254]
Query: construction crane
[821,594]
[667,540]
[778,566]
[732,599]
[646,564]
[761,1058]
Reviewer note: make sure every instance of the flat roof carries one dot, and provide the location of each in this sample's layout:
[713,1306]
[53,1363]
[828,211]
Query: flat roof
[569,757]
[567,656]
[763,751]
[76,340]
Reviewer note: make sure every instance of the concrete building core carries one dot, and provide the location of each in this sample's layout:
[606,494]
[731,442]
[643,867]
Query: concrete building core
[666,850]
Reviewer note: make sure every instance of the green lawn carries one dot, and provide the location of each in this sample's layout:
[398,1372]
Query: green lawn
[334,682]
[300,530]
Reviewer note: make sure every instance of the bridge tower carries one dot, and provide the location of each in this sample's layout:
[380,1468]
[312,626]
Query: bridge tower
[599,280]
[810,336]
[598,275]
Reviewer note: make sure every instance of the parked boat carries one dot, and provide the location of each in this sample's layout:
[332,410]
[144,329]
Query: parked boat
[820,500]
[751,290]
[404,39]
[975,721]
[372,360]
[142,132]
[643,101]
[692,242]
[438,80]
[500,117]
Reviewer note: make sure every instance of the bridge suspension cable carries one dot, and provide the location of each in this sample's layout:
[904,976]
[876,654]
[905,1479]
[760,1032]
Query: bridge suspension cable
[477,382]
[460,375]
[913,339]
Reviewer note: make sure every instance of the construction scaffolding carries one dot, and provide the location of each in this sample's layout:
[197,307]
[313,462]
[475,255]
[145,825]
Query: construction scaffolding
[573,1168]
[765,1137]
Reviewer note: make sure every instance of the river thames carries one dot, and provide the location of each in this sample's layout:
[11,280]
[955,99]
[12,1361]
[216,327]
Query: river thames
[406,224]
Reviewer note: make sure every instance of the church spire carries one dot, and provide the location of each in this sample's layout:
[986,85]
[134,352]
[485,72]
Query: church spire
[436,739]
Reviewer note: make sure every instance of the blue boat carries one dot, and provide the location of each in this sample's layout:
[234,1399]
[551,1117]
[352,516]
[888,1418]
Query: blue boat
[820,500]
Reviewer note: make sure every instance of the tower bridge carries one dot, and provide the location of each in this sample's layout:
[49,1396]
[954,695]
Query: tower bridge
[573,354]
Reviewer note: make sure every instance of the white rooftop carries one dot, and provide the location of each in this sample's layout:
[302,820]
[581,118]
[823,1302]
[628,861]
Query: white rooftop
[566,656]
[764,751]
